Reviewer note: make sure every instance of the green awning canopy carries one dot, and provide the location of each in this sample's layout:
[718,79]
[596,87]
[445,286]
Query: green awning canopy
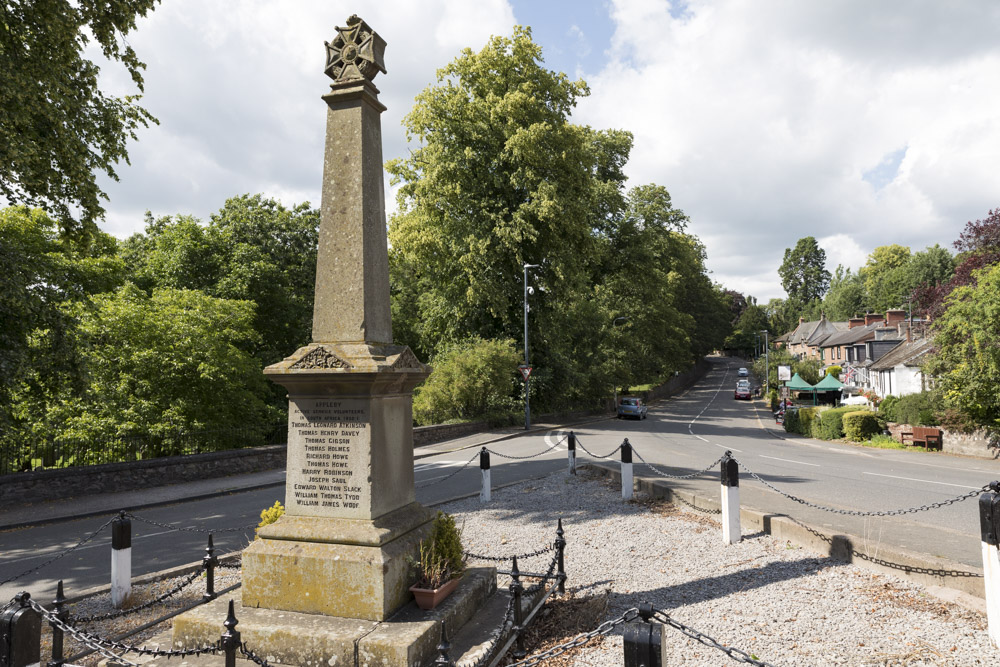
[798,384]
[829,383]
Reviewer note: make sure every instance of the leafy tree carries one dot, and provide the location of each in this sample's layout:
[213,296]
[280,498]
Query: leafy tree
[747,329]
[803,271]
[967,362]
[886,277]
[156,363]
[474,379]
[979,247]
[58,127]
[846,297]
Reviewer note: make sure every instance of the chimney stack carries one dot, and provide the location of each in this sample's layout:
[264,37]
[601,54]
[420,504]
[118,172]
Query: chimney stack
[872,318]
[855,322]
[894,317]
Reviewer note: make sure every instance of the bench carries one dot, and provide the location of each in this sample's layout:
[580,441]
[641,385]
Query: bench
[927,436]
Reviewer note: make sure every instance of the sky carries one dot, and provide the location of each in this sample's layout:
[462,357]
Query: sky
[858,123]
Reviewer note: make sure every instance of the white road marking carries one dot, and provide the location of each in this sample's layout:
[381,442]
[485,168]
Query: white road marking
[726,447]
[925,481]
[801,463]
[935,465]
[92,545]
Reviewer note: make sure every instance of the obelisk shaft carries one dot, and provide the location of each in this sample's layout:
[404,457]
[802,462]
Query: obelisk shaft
[352,268]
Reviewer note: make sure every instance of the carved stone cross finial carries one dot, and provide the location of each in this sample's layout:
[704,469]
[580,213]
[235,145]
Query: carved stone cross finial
[357,52]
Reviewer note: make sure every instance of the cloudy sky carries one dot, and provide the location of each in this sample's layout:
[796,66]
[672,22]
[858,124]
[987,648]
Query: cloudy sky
[859,123]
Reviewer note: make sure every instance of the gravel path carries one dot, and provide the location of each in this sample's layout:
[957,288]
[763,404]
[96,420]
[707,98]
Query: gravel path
[780,603]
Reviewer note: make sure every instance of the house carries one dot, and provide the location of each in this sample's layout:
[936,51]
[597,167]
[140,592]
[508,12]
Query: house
[845,348]
[897,372]
[805,340]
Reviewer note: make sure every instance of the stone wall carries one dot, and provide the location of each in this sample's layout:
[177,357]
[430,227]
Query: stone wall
[61,483]
[977,443]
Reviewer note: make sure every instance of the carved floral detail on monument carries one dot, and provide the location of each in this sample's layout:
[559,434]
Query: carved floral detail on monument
[407,359]
[357,52]
[320,357]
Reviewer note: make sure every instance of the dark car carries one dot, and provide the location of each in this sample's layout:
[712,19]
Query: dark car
[631,407]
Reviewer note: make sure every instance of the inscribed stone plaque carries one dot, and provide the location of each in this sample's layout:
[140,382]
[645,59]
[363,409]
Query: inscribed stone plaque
[329,456]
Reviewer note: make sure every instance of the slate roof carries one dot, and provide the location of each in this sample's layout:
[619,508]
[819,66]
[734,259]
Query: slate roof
[905,354]
[815,332]
[851,336]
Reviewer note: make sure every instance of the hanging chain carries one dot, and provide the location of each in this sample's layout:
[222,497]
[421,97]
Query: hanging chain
[537,586]
[145,605]
[734,653]
[62,553]
[606,456]
[603,629]
[500,559]
[447,477]
[186,529]
[249,654]
[908,510]
[105,646]
[498,634]
[519,458]
[666,474]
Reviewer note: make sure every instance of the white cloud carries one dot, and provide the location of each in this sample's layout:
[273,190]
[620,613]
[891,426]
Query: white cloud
[237,85]
[762,119]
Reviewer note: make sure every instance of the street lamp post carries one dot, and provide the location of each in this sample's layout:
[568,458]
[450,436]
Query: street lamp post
[527,380]
[767,365]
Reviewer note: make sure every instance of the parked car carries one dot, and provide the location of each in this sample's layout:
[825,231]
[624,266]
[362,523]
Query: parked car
[631,407]
[742,391]
[742,372]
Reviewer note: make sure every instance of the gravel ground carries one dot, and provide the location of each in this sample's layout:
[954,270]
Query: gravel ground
[777,602]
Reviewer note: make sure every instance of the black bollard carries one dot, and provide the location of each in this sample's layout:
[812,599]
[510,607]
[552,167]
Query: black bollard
[57,633]
[643,642]
[209,562]
[571,452]
[516,589]
[20,633]
[443,659]
[484,467]
[231,637]
[560,553]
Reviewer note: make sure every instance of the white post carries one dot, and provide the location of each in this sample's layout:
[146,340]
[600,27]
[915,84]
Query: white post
[730,500]
[989,521]
[484,466]
[121,559]
[571,452]
[627,482]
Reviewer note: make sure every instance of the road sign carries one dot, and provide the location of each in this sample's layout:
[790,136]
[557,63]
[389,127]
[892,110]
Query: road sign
[525,371]
[784,373]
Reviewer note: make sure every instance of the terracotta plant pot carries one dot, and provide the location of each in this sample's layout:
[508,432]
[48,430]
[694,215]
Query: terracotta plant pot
[428,598]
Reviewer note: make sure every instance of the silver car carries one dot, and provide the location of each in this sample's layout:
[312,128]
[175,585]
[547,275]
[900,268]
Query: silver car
[631,407]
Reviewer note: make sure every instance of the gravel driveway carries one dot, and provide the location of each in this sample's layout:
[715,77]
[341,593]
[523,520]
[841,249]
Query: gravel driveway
[780,603]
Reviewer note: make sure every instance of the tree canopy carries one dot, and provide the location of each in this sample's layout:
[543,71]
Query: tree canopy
[58,127]
[803,271]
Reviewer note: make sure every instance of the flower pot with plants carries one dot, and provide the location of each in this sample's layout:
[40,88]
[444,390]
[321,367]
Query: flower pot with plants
[441,563]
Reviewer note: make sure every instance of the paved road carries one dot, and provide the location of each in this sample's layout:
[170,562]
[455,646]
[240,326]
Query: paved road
[681,436]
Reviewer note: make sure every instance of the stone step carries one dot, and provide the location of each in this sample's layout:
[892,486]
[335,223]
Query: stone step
[475,638]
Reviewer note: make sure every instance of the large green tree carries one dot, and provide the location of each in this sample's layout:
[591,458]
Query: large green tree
[846,297]
[58,128]
[803,271]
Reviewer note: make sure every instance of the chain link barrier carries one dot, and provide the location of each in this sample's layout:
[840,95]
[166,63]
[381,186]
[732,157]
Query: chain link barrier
[676,498]
[447,477]
[734,653]
[189,529]
[540,584]
[61,554]
[500,559]
[106,646]
[118,613]
[248,653]
[592,454]
[603,629]
[666,474]
[898,512]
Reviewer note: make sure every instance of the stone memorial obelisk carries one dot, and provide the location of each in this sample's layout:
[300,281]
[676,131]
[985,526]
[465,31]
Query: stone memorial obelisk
[351,517]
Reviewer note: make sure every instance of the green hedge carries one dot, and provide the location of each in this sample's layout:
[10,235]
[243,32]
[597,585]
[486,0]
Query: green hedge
[801,421]
[861,425]
[830,425]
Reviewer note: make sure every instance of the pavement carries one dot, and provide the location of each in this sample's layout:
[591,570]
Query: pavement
[67,509]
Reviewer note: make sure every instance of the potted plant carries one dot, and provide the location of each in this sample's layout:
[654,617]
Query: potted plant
[441,563]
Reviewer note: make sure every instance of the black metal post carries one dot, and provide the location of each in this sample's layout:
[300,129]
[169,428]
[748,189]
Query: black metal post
[730,470]
[443,647]
[20,633]
[571,447]
[516,589]
[231,637]
[209,562]
[989,515]
[57,634]
[484,459]
[626,452]
[643,642]
[560,552]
